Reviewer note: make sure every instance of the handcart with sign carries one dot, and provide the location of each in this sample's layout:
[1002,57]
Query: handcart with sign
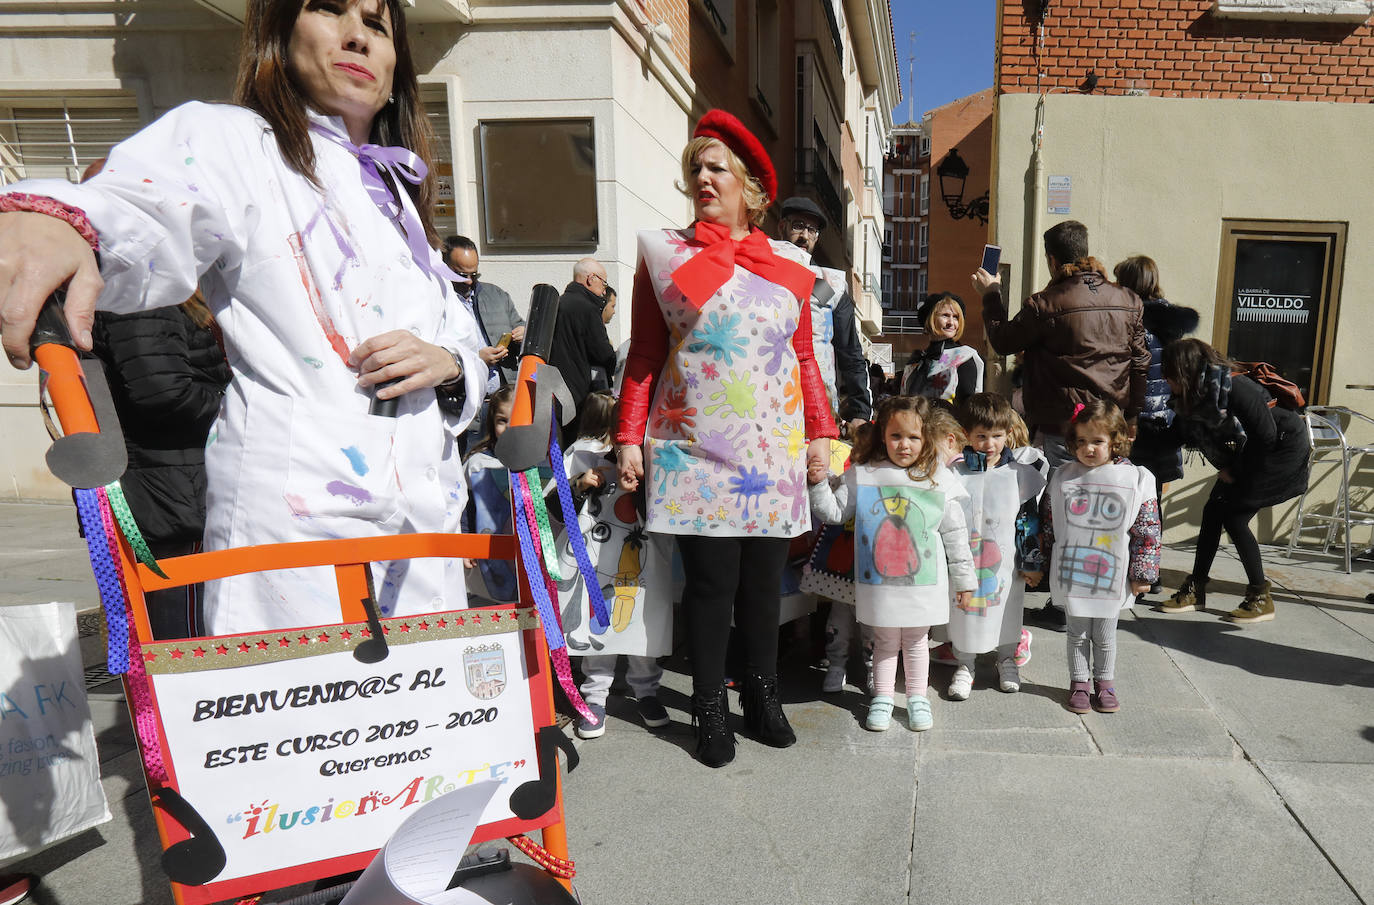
[284,757]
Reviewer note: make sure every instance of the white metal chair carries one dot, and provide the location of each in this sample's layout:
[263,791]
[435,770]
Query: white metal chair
[1328,430]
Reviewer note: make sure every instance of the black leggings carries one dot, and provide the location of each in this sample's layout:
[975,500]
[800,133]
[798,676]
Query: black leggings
[1220,513]
[725,575]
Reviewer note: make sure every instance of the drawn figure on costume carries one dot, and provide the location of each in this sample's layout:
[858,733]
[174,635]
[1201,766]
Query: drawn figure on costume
[1097,513]
[987,561]
[632,567]
[900,540]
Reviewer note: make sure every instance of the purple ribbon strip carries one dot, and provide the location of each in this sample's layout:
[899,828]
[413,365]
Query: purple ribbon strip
[575,539]
[402,163]
[106,581]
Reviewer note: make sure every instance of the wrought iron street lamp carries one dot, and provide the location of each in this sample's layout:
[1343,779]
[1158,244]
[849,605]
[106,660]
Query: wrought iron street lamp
[953,173]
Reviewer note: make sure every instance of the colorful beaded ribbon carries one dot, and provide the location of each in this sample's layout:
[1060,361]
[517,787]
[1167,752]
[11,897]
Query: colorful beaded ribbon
[123,654]
[543,589]
[575,539]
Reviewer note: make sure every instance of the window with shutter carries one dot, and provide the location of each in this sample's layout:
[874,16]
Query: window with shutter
[60,137]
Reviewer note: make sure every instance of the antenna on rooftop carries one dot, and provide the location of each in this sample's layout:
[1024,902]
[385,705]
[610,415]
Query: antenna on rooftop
[911,78]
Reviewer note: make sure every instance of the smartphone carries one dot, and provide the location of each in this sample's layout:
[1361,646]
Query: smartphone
[505,340]
[992,256]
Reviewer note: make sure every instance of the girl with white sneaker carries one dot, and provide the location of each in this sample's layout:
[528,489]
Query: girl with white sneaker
[1106,516]
[1001,509]
[910,546]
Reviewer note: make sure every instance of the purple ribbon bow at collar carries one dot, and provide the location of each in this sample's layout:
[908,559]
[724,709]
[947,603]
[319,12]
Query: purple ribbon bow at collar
[402,163]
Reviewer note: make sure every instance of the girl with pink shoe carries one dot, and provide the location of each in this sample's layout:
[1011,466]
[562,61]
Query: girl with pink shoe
[1107,549]
[910,546]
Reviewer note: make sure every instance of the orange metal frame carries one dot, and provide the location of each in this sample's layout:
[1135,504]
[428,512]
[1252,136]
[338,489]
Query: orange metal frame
[349,557]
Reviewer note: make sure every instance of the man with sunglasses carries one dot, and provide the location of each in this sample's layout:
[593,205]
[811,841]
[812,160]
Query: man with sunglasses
[839,352]
[493,308]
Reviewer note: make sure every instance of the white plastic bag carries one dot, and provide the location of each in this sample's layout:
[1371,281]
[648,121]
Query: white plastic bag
[49,771]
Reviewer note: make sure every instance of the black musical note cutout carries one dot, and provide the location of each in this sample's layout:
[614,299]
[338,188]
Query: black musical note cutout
[536,797]
[195,861]
[374,649]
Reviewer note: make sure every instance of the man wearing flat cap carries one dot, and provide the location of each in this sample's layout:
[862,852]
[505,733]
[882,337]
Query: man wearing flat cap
[839,353]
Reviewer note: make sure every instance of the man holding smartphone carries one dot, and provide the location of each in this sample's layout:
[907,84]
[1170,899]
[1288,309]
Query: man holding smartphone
[839,353]
[501,326]
[1082,337]
[493,308]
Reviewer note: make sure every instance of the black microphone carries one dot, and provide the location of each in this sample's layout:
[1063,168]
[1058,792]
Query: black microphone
[384,407]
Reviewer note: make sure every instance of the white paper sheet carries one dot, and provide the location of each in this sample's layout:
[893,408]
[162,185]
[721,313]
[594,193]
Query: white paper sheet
[418,861]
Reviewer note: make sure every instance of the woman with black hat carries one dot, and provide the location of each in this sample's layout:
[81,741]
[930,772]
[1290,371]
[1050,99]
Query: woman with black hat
[721,399]
[947,370]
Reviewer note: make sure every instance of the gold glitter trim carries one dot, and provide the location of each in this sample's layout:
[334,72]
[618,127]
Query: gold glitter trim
[232,651]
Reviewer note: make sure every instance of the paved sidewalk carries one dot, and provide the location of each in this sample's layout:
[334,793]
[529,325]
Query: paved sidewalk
[1240,770]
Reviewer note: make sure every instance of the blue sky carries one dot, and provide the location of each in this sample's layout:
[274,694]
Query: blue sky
[953,50]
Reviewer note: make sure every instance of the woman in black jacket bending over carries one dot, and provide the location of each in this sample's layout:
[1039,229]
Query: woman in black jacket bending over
[1260,453]
[167,375]
[1156,446]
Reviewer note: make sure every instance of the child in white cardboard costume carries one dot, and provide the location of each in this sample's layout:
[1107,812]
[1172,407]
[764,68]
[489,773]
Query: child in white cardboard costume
[633,569]
[1001,508]
[1100,534]
[910,545]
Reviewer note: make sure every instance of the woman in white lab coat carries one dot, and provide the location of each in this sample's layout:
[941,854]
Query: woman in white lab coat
[322,276]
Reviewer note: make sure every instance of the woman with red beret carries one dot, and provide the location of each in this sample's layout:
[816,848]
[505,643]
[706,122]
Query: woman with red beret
[722,405]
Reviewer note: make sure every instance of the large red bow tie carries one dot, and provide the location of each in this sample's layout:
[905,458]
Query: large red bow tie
[713,266]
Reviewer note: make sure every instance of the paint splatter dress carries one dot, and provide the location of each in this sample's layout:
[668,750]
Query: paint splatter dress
[910,542]
[999,508]
[296,278]
[1104,533]
[735,394]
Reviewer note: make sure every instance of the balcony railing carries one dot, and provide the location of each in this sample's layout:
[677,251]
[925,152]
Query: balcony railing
[901,322]
[811,171]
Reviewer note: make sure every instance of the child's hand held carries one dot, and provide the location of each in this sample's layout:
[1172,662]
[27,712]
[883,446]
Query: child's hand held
[630,462]
[816,471]
[963,598]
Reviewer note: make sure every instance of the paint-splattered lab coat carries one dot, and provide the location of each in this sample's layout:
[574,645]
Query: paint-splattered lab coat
[296,278]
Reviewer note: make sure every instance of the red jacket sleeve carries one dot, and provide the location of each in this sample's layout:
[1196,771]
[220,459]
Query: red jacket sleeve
[819,422]
[648,352]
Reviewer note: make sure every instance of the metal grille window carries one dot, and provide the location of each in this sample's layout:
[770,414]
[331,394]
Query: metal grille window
[60,138]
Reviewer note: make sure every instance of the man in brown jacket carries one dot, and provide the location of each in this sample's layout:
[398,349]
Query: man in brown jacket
[1081,337]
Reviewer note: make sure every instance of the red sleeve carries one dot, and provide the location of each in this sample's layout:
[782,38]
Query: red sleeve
[819,422]
[648,352]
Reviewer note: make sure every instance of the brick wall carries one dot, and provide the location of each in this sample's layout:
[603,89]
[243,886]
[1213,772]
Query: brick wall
[675,14]
[1177,48]
[956,246]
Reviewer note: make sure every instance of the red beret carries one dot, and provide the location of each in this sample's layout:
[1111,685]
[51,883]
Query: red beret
[730,131]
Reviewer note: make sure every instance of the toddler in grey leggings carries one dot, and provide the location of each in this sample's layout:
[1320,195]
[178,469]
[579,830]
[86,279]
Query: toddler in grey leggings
[1106,516]
[1083,632]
